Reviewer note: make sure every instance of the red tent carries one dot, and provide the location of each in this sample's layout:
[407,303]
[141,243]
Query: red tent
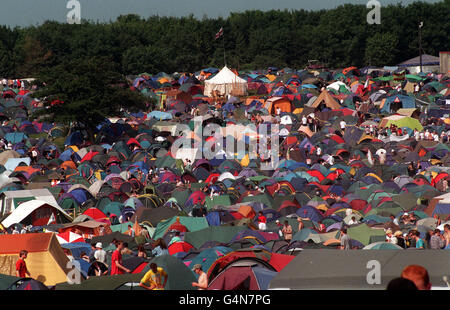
[95,213]
[89,156]
[69,237]
[177,247]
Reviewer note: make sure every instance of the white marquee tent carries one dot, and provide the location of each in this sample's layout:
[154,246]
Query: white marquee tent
[227,83]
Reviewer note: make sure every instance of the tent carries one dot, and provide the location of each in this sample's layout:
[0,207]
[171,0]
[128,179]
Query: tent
[226,83]
[354,269]
[242,276]
[9,200]
[46,260]
[180,276]
[401,121]
[328,100]
[37,213]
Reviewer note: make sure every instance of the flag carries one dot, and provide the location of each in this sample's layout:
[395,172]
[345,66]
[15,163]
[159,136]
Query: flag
[220,33]
[51,219]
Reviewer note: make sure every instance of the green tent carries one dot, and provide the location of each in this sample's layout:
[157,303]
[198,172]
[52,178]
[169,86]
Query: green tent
[363,233]
[407,201]
[122,228]
[264,198]
[222,200]
[180,277]
[8,282]
[113,207]
[222,234]
[104,283]
[191,223]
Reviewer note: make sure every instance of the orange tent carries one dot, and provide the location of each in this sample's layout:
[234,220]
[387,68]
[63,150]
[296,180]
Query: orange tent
[46,260]
[284,104]
[68,164]
[247,211]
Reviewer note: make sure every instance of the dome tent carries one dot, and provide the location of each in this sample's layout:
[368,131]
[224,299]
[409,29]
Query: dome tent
[227,83]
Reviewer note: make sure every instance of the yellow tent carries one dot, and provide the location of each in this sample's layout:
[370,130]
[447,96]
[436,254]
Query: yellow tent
[46,260]
[74,148]
[271,77]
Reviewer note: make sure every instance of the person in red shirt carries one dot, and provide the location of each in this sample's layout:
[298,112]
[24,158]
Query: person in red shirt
[262,220]
[116,261]
[21,266]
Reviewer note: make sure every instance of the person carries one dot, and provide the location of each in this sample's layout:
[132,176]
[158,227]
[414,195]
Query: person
[202,283]
[141,251]
[287,231]
[342,124]
[353,221]
[262,220]
[394,220]
[401,284]
[447,234]
[417,274]
[21,265]
[99,253]
[98,269]
[175,238]
[420,244]
[152,280]
[301,225]
[91,255]
[390,237]
[400,240]
[345,240]
[160,248]
[116,261]
[437,240]
[130,231]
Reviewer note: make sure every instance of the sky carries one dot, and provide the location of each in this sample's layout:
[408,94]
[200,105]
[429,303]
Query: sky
[34,12]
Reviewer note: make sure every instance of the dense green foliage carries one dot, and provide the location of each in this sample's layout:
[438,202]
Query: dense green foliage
[254,39]
[85,91]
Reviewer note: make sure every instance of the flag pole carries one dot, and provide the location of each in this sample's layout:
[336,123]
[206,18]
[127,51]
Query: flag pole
[223,44]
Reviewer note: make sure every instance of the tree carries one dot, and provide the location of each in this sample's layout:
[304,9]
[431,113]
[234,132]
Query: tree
[381,49]
[85,91]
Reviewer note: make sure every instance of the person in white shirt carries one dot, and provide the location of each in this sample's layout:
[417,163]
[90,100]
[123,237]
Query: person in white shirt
[390,237]
[343,124]
[353,221]
[100,254]
[318,151]
[422,136]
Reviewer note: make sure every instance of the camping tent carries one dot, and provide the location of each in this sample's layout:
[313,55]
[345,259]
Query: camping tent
[37,213]
[331,269]
[9,200]
[227,83]
[328,100]
[46,260]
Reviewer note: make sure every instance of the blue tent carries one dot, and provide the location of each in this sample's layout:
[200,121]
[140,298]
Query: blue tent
[15,137]
[160,115]
[75,138]
[12,163]
[407,102]
[310,212]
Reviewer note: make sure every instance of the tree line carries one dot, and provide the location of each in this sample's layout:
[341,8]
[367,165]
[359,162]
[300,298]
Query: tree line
[254,39]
